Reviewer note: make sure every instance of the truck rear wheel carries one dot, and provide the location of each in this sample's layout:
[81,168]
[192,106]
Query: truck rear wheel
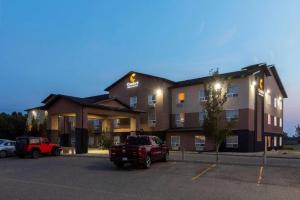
[35,153]
[56,152]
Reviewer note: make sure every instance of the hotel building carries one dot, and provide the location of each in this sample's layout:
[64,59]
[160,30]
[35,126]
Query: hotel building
[140,103]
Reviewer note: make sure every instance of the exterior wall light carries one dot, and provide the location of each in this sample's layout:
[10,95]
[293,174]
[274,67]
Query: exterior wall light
[254,83]
[217,86]
[158,92]
[34,114]
[268,91]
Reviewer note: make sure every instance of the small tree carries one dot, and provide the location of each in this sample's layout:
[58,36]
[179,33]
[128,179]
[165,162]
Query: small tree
[297,132]
[214,124]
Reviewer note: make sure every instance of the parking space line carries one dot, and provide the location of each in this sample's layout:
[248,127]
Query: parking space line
[203,172]
[260,175]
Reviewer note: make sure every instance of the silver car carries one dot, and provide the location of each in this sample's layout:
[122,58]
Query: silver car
[7,148]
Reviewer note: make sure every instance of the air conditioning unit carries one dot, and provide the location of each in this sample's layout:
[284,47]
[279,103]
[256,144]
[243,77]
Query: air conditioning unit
[152,104]
[151,123]
[232,95]
[203,99]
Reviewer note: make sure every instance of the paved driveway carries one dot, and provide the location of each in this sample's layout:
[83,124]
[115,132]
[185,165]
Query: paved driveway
[97,178]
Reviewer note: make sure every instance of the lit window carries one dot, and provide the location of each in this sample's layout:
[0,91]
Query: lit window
[175,142]
[116,123]
[179,119]
[275,121]
[269,119]
[232,141]
[232,91]
[181,97]
[280,102]
[151,100]
[199,142]
[275,102]
[232,115]
[133,101]
[280,122]
[280,141]
[269,141]
[275,141]
[202,94]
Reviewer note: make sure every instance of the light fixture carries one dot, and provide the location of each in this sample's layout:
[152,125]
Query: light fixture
[217,86]
[34,113]
[268,91]
[158,92]
[254,83]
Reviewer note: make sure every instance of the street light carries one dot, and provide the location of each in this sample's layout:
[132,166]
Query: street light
[217,86]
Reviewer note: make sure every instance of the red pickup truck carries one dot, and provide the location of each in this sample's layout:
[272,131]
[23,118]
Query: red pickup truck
[35,146]
[139,150]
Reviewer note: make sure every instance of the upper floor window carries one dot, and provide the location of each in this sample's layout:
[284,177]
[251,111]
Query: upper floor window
[232,115]
[232,91]
[275,121]
[202,94]
[280,122]
[269,119]
[280,103]
[116,123]
[133,101]
[151,100]
[275,102]
[181,97]
[180,120]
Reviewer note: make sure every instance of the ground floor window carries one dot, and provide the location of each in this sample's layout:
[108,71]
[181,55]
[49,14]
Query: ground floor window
[275,141]
[199,142]
[117,139]
[269,141]
[232,141]
[280,141]
[175,142]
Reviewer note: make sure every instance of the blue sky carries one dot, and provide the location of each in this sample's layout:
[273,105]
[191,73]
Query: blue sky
[80,47]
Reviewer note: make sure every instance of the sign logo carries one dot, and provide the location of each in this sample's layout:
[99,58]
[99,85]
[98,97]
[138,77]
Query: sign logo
[261,87]
[132,81]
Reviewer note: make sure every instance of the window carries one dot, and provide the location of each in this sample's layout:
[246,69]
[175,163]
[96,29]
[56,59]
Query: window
[199,142]
[275,121]
[180,97]
[269,141]
[280,122]
[117,139]
[202,94]
[180,120]
[280,104]
[201,118]
[133,102]
[275,141]
[175,141]
[275,102]
[151,100]
[232,141]
[269,119]
[152,118]
[232,115]
[116,123]
[232,91]
[280,141]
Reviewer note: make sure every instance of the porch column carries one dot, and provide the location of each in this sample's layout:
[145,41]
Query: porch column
[81,132]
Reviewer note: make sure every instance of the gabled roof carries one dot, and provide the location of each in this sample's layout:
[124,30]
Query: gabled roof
[142,74]
[35,108]
[244,72]
[90,102]
[280,85]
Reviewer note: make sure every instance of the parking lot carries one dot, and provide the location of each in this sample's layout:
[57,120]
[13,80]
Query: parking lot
[96,178]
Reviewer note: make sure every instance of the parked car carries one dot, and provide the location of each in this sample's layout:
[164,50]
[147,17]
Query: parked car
[139,150]
[3,140]
[36,146]
[7,148]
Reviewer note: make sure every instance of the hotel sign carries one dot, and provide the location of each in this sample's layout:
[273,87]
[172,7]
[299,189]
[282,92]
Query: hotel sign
[132,81]
[260,88]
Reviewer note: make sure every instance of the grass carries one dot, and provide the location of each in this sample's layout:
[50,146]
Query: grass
[292,147]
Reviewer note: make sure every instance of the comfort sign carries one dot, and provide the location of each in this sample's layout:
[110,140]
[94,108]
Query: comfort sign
[132,81]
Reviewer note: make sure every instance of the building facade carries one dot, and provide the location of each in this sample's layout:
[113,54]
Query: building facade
[139,103]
